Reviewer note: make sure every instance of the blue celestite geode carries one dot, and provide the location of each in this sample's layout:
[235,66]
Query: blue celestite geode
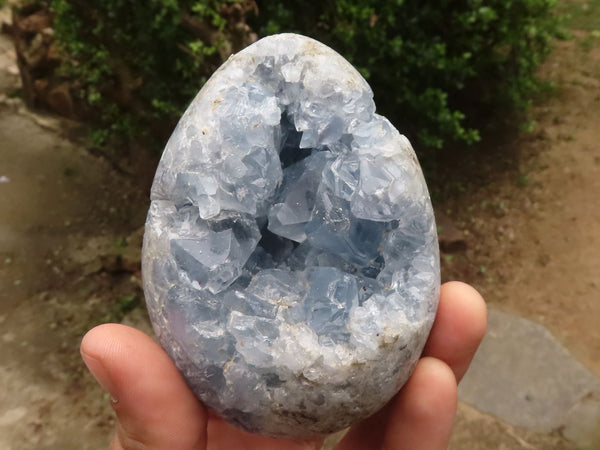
[290,259]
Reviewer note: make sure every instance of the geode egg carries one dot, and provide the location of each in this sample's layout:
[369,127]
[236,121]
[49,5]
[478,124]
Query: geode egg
[290,260]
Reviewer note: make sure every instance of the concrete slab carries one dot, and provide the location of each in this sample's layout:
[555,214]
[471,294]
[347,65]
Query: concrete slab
[524,376]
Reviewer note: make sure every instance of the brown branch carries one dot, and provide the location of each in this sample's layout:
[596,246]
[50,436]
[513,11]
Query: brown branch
[199,29]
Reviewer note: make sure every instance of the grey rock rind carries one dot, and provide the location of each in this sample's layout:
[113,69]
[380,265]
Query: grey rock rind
[290,259]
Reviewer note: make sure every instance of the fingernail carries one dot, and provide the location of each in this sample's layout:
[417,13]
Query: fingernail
[97,369]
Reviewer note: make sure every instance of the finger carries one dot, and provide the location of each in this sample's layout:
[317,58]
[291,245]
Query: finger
[369,433]
[224,436]
[419,417]
[423,413]
[155,408]
[458,328]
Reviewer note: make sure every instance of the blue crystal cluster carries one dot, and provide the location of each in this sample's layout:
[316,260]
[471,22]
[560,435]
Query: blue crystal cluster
[290,257]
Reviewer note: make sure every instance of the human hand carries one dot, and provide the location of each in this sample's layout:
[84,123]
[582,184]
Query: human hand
[156,410]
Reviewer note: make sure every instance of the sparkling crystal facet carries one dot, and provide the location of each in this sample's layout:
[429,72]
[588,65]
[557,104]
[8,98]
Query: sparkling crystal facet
[290,257]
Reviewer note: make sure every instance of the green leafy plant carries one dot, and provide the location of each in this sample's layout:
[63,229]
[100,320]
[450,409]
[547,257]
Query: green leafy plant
[127,303]
[440,69]
[138,64]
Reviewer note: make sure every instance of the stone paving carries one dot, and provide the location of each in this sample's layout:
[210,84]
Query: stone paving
[523,376]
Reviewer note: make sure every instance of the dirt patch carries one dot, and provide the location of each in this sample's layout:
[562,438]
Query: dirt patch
[534,230]
[64,221]
[478,431]
[63,232]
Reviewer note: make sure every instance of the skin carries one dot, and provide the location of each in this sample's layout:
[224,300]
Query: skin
[156,410]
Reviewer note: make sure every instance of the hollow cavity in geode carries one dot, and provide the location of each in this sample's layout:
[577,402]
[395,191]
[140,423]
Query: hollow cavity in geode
[290,257]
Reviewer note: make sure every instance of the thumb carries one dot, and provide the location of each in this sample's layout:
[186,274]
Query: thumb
[155,408]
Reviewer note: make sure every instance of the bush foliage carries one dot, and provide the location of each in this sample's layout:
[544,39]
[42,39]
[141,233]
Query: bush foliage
[137,64]
[439,68]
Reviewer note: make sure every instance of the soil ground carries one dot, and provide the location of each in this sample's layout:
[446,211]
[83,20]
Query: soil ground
[528,210]
[64,217]
[534,228]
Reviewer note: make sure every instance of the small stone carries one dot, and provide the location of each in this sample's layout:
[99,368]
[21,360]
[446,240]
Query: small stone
[290,260]
[451,239]
[60,101]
